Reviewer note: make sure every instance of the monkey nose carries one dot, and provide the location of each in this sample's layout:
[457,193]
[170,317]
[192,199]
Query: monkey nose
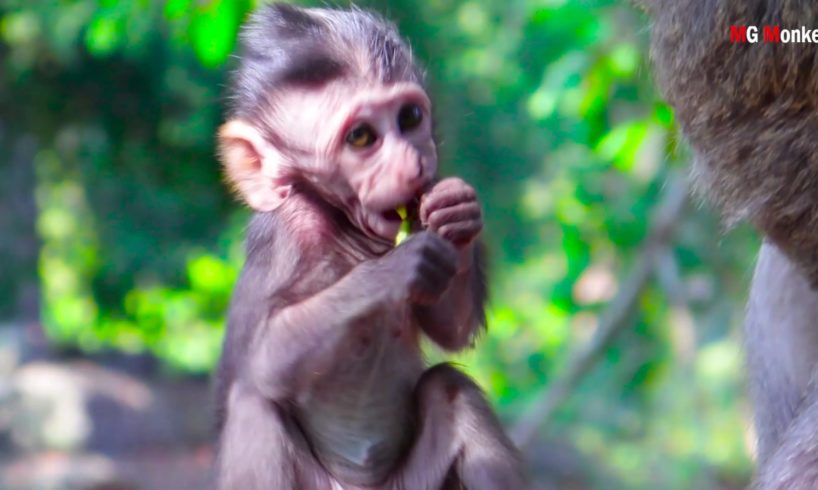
[419,164]
[413,175]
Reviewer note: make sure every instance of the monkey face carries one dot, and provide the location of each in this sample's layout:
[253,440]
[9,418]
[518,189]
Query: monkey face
[366,147]
[385,154]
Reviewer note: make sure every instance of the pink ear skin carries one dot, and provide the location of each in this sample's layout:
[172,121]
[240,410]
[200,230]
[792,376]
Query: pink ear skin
[252,166]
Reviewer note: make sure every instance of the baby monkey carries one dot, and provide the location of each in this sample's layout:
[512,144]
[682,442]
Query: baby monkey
[322,383]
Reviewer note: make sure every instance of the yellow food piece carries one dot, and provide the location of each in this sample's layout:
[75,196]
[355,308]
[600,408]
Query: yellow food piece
[405,226]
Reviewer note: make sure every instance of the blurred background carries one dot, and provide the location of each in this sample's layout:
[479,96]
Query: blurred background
[613,353]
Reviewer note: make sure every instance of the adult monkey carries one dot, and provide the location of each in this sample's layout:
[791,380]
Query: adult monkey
[750,112]
[321,383]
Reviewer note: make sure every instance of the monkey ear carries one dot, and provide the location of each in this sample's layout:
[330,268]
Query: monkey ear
[253,166]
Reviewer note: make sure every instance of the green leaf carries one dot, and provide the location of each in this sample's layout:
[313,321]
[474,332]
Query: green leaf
[103,35]
[213,29]
[176,9]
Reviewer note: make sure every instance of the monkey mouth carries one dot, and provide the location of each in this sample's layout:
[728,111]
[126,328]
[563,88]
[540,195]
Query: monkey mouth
[385,223]
[412,207]
[391,215]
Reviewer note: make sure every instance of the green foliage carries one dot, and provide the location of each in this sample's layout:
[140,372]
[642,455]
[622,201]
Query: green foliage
[545,105]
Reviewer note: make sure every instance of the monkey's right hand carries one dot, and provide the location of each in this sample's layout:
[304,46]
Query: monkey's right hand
[419,269]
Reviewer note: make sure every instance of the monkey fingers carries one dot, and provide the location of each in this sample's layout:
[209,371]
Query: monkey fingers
[461,233]
[452,211]
[464,211]
[448,192]
[432,263]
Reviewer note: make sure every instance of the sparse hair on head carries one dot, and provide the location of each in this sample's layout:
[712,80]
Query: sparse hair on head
[282,45]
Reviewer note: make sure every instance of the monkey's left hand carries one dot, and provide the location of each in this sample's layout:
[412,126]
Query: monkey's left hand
[451,210]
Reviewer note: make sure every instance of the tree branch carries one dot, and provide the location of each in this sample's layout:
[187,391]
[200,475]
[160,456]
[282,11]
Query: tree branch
[614,319]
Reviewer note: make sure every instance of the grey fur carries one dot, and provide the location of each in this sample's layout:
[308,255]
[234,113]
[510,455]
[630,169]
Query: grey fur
[283,44]
[322,382]
[750,112]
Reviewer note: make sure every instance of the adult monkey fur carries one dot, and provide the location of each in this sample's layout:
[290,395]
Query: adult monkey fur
[322,383]
[750,112]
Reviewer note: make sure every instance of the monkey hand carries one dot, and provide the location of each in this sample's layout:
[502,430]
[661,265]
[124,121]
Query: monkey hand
[419,269]
[451,210]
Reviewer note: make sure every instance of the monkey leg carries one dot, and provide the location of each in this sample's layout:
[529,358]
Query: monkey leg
[458,430]
[781,343]
[794,463]
[261,449]
[782,360]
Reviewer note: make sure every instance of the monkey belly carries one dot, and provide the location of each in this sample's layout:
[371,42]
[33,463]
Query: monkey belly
[359,418]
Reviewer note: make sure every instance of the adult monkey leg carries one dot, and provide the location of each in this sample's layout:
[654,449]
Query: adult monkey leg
[782,349]
[781,340]
[794,464]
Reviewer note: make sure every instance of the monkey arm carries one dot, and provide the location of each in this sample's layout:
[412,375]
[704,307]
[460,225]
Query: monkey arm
[453,321]
[302,339]
[306,338]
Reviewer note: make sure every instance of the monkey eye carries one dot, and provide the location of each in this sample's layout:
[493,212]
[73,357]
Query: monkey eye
[361,136]
[409,117]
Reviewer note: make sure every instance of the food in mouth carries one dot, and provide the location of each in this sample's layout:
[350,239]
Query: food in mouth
[405,225]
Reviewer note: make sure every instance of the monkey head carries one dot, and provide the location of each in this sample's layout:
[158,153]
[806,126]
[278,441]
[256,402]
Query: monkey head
[318,106]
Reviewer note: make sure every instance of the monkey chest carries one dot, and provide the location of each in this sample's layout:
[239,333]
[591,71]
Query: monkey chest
[359,418]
